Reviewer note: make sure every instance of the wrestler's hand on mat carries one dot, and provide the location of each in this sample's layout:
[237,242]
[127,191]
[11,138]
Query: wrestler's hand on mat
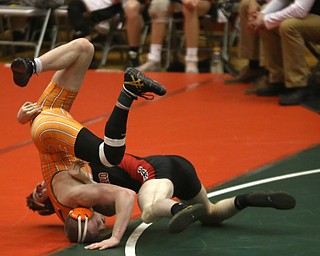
[27,112]
[105,244]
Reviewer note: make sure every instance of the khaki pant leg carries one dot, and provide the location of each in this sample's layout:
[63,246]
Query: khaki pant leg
[272,49]
[249,40]
[293,33]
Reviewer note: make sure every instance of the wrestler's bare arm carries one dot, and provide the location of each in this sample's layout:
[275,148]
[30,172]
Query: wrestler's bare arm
[89,195]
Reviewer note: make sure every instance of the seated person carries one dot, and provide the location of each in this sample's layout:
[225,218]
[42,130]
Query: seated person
[284,27]
[160,11]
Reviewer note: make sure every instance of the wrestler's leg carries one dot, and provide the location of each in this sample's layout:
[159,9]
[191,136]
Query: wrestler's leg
[226,208]
[154,199]
[71,61]
[216,213]
[111,151]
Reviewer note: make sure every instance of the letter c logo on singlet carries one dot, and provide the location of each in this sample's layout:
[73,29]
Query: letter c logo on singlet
[104,177]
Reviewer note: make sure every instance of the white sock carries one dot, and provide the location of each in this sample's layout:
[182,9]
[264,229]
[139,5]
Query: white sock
[155,52]
[39,66]
[192,54]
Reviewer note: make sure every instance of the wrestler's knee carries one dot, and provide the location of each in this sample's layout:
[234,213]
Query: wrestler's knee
[82,45]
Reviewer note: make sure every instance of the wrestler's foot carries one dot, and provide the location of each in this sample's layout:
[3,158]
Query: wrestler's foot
[137,84]
[274,199]
[181,220]
[22,70]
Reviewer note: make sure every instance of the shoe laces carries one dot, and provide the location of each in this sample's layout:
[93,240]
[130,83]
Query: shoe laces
[135,82]
[138,85]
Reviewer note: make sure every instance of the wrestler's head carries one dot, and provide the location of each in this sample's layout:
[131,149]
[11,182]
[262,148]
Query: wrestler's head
[84,226]
[39,201]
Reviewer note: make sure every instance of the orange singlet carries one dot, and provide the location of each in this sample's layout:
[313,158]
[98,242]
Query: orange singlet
[54,132]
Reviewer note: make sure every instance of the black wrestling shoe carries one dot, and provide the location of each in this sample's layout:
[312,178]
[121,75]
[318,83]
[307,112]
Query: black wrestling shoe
[22,70]
[181,220]
[273,199]
[137,84]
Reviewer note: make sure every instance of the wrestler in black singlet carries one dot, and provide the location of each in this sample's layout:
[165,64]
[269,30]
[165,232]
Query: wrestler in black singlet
[133,171]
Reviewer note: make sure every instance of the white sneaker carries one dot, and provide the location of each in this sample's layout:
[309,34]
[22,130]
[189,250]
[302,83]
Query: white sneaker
[150,66]
[192,67]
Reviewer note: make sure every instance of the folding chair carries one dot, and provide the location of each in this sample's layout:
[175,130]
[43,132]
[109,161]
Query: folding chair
[9,12]
[118,30]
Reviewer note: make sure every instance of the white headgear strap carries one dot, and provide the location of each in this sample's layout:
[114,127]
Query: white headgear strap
[81,237]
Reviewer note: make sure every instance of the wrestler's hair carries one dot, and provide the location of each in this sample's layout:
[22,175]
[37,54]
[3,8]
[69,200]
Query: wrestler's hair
[44,210]
[71,231]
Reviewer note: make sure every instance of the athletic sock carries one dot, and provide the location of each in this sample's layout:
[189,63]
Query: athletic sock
[240,202]
[115,129]
[192,54]
[177,207]
[125,100]
[155,52]
[38,65]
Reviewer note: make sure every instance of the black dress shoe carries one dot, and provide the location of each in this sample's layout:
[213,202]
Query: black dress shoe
[294,96]
[271,89]
[246,75]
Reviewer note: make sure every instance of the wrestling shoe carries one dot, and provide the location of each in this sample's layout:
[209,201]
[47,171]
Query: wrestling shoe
[137,84]
[22,70]
[273,199]
[181,220]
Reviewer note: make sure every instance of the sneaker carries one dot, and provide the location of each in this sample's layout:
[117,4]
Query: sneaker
[187,216]
[22,70]
[278,200]
[137,84]
[192,67]
[246,75]
[150,66]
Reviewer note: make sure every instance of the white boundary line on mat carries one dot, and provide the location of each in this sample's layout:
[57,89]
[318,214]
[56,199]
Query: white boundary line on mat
[130,248]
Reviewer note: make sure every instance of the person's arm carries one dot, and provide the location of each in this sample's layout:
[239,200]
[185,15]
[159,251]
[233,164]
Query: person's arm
[89,195]
[28,112]
[275,5]
[276,11]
